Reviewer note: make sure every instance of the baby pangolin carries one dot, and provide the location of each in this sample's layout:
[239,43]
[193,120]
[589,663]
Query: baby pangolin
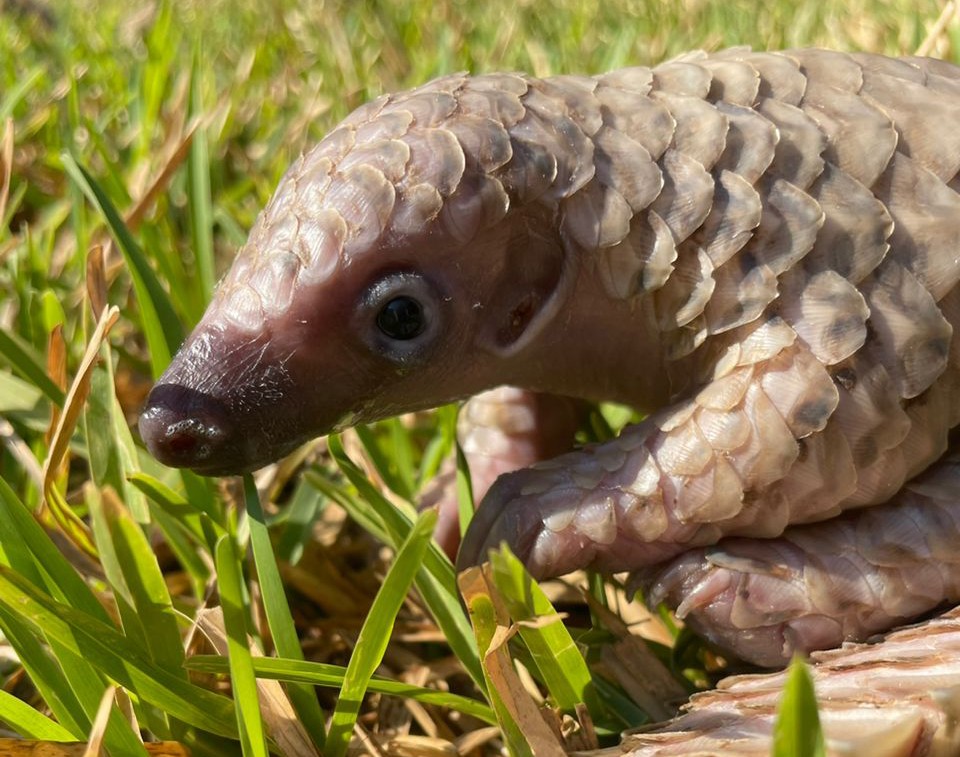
[761,250]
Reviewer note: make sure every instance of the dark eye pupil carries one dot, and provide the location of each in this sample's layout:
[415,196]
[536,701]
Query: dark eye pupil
[401,318]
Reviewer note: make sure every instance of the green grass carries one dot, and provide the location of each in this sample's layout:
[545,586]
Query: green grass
[141,145]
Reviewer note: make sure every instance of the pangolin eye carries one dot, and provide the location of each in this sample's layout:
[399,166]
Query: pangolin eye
[402,318]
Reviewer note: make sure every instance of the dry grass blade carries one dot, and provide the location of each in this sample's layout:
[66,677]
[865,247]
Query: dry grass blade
[161,182]
[96,280]
[947,16]
[28,748]
[420,746]
[6,166]
[476,739]
[95,742]
[637,669]
[633,666]
[57,370]
[491,621]
[504,678]
[65,425]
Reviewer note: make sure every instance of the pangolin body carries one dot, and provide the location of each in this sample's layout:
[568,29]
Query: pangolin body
[759,249]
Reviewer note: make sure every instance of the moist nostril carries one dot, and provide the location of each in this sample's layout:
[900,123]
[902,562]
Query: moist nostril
[182,427]
[191,439]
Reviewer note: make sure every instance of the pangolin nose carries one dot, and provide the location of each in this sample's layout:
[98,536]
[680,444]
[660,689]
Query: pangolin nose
[181,427]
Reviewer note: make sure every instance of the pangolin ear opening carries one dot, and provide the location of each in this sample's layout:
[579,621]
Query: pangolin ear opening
[530,288]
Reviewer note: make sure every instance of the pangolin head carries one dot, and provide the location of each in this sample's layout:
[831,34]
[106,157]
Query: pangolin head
[399,265]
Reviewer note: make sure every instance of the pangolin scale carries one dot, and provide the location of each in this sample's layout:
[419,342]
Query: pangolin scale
[760,250]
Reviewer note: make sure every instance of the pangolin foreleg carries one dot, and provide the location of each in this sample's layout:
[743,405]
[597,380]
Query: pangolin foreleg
[774,438]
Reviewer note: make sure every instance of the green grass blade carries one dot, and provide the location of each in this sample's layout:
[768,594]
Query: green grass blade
[199,523]
[558,660]
[22,359]
[17,396]
[375,633]
[70,686]
[358,509]
[392,464]
[278,613]
[466,506]
[28,722]
[324,674]
[300,515]
[797,732]
[236,620]
[436,581]
[107,650]
[439,446]
[49,675]
[25,83]
[110,449]
[397,523]
[403,453]
[162,40]
[159,321]
[29,551]
[137,582]
[200,203]
[184,546]
[201,493]
[173,503]
[51,312]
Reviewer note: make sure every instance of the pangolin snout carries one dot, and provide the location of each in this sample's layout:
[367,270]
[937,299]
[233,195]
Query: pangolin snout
[232,402]
[183,427]
[224,405]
